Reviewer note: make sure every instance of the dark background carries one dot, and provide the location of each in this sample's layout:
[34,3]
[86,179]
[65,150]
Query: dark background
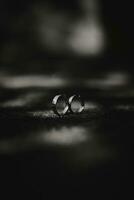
[101,164]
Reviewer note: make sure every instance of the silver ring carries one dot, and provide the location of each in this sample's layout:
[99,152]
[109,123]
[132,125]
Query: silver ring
[72,99]
[60,111]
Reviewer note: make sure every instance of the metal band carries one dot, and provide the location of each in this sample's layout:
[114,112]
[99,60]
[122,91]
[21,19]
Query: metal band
[54,105]
[73,98]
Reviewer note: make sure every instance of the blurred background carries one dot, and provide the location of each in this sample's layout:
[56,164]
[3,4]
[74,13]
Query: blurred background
[70,37]
[82,47]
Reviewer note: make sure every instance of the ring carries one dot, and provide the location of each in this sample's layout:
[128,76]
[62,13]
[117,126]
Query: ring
[60,105]
[73,100]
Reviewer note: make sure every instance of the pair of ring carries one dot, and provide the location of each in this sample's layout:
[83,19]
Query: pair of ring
[61,104]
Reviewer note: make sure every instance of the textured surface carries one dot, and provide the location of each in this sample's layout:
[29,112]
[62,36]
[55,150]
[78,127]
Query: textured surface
[74,155]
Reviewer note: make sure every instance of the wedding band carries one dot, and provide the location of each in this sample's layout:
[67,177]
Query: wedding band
[64,108]
[72,100]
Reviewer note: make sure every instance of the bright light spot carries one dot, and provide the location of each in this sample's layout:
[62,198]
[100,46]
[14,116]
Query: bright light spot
[65,136]
[32,81]
[109,81]
[87,38]
[91,106]
[23,100]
